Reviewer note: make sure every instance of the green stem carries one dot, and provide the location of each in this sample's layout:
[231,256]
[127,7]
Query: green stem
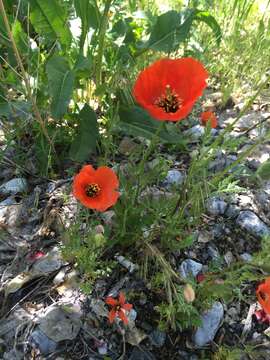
[145,157]
[101,36]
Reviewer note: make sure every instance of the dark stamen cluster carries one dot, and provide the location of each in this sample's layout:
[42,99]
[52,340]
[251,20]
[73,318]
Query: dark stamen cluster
[169,101]
[92,190]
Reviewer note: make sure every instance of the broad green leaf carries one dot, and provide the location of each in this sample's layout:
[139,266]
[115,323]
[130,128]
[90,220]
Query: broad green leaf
[87,135]
[49,19]
[163,34]
[61,80]
[89,15]
[137,122]
[264,170]
[173,28]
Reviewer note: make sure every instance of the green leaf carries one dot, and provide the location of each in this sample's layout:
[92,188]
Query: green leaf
[87,135]
[163,34]
[204,16]
[49,19]
[61,80]
[137,122]
[83,66]
[264,170]
[89,15]
[173,28]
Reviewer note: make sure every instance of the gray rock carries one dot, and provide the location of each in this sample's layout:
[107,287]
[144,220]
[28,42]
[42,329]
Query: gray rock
[246,257]
[190,268]
[6,207]
[103,348]
[59,324]
[157,338]
[49,263]
[127,146]
[132,315]
[14,186]
[196,132]
[250,222]
[213,252]
[140,354]
[232,211]
[218,230]
[216,206]
[221,161]
[174,177]
[13,355]
[211,321]
[39,340]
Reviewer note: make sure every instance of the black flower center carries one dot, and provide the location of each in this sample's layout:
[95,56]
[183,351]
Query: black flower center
[118,307]
[170,101]
[92,190]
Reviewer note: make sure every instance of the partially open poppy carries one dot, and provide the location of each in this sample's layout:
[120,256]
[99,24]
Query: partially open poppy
[96,189]
[209,116]
[168,88]
[263,295]
[119,308]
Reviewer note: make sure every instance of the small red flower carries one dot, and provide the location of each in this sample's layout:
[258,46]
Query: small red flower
[119,307]
[168,88]
[263,295]
[209,116]
[96,189]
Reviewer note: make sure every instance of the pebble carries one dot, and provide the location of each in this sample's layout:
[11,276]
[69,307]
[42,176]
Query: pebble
[5,207]
[211,321]
[204,237]
[14,186]
[250,222]
[216,206]
[232,211]
[174,177]
[157,338]
[196,132]
[213,252]
[49,263]
[127,146]
[246,257]
[59,324]
[39,340]
[189,268]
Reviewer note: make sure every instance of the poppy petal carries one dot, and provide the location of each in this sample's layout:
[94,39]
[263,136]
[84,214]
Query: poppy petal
[122,298]
[127,307]
[186,77]
[123,317]
[209,116]
[111,301]
[112,315]
[105,178]
[263,295]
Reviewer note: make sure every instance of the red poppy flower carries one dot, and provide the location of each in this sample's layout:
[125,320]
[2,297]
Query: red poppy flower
[95,189]
[168,88]
[263,295]
[119,307]
[209,116]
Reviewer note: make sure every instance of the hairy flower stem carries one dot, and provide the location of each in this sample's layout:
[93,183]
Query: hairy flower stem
[145,157]
[24,75]
[101,37]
